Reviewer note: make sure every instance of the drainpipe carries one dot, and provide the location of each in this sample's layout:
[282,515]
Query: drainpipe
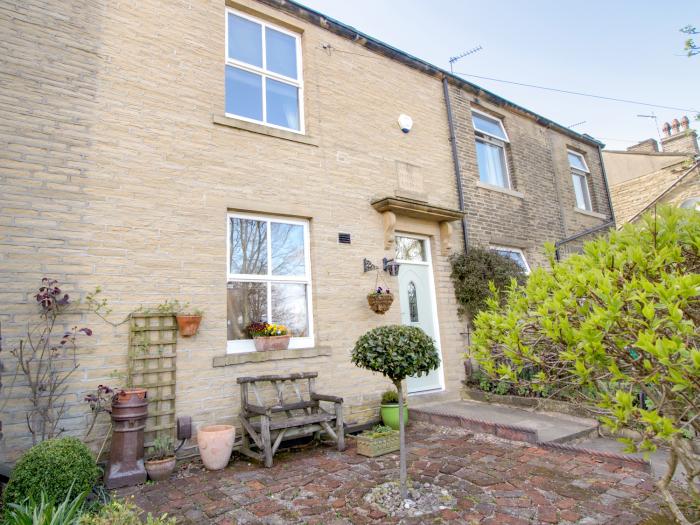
[607,187]
[455,159]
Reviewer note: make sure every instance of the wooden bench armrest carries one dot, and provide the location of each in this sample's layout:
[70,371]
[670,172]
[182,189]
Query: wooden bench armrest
[257,409]
[324,397]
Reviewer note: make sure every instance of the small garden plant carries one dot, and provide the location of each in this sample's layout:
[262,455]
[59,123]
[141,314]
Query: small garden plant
[378,431]
[263,329]
[390,397]
[397,352]
[163,447]
[616,326]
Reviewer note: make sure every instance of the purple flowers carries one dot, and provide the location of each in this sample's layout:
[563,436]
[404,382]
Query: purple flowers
[380,291]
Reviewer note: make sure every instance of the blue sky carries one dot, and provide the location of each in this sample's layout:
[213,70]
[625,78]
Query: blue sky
[624,49]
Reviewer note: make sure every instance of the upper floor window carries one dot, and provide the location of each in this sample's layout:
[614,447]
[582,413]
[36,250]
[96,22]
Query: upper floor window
[491,140]
[269,278]
[579,176]
[263,72]
[514,254]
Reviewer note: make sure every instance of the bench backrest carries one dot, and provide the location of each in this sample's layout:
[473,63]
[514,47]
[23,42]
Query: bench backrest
[281,385]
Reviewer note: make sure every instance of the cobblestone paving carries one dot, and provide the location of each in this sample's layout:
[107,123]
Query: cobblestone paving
[494,482]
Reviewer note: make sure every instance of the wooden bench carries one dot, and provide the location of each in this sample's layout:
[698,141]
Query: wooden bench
[268,424]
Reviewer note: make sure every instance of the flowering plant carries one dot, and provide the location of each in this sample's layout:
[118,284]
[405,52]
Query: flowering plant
[263,329]
[380,291]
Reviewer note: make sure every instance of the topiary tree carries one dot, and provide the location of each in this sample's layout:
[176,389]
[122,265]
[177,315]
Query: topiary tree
[55,467]
[619,323]
[473,270]
[397,352]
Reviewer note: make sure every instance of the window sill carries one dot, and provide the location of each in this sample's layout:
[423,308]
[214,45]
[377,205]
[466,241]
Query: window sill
[261,129]
[260,357]
[589,213]
[507,191]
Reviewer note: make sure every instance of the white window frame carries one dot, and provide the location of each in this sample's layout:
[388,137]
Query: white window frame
[495,119]
[264,73]
[247,345]
[488,138]
[494,248]
[578,172]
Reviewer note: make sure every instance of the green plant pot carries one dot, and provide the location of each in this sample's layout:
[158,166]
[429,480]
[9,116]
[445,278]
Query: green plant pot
[390,415]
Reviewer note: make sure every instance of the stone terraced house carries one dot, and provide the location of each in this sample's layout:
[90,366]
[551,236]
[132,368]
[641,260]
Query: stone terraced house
[246,157]
[645,175]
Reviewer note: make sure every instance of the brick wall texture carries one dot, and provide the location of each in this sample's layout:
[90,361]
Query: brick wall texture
[114,174]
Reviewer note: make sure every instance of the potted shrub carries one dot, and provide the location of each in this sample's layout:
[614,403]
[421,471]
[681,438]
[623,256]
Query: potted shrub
[390,409]
[380,300]
[378,441]
[162,460]
[269,336]
[397,352]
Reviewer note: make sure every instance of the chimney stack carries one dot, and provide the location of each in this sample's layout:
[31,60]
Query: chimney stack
[679,138]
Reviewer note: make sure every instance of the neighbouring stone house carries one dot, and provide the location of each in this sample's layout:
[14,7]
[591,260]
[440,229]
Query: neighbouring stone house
[245,157]
[644,175]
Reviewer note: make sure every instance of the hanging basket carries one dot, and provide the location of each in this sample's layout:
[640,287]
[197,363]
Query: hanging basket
[380,303]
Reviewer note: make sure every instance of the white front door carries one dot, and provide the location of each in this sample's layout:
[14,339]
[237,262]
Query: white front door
[417,299]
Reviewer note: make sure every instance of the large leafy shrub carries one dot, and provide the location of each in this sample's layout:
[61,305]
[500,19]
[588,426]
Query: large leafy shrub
[397,352]
[473,270]
[618,325]
[56,468]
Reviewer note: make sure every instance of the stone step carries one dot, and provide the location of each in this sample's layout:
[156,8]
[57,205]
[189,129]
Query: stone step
[503,421]
[575,435]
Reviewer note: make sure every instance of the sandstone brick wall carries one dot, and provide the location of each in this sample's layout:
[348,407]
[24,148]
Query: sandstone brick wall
[115,173]
[542,208]
[632,196]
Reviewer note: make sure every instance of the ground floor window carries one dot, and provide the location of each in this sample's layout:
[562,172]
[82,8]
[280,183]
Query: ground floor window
[515,254]
[269,278]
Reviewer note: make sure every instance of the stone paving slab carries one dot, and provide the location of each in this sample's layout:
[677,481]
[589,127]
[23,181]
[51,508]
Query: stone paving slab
[494,482]
[544,427]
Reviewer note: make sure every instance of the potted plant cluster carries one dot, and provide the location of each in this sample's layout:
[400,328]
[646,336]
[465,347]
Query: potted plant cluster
[389,409]
[378,441]
[161,462]
[269,336]
[380,300]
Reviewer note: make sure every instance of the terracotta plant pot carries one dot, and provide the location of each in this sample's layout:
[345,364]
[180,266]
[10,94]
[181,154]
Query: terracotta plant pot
[380,302]
[275,342]
[215,445]
[188,324]
[160,469]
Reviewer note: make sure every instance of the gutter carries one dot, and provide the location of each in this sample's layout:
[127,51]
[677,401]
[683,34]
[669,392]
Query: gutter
[455,160]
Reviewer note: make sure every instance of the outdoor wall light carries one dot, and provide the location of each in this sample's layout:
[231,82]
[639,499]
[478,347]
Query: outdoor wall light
[405,123]
[388,265]
[391,266]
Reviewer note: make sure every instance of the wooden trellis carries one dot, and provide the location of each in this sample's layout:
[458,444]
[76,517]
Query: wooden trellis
[152,358]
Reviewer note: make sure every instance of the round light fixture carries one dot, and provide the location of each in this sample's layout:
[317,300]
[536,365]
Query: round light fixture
[405,123]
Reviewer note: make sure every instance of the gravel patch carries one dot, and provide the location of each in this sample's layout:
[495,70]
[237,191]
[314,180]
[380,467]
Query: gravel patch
[423,498]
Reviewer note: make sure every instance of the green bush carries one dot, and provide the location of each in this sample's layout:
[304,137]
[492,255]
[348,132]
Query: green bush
[396,351]
[473,270]
[123,513]
[43,511]
[390,397]
[56,467]
[618,320]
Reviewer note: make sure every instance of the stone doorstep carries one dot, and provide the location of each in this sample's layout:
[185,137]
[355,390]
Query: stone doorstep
[448,414]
